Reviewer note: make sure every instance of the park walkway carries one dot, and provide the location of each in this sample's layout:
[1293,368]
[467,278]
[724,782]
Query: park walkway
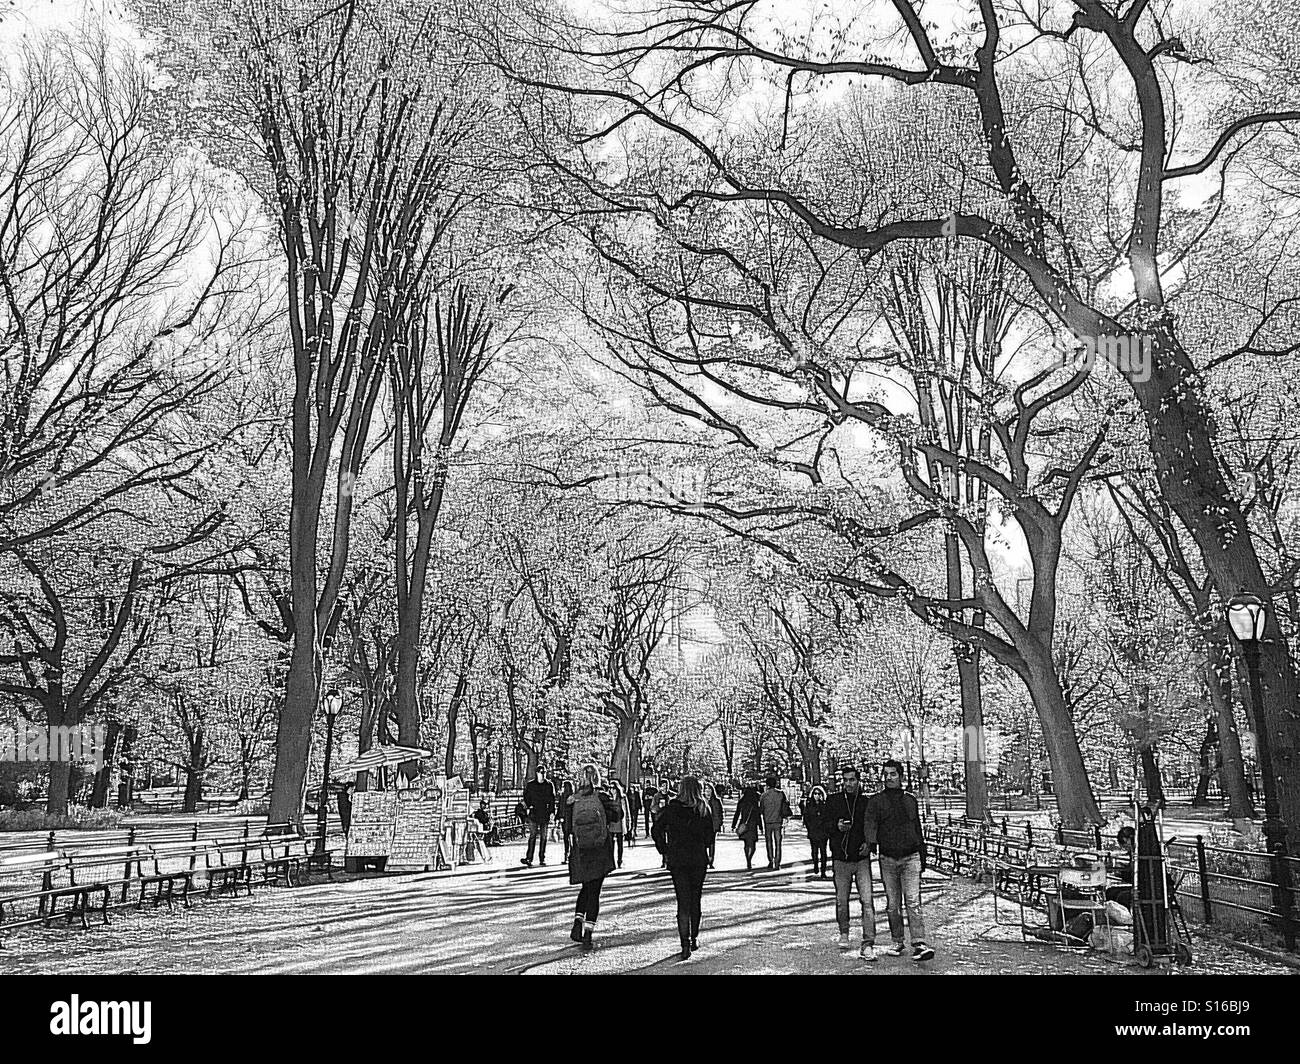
[515,920]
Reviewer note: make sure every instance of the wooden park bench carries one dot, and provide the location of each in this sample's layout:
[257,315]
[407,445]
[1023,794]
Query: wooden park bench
[78,879]
[25,882]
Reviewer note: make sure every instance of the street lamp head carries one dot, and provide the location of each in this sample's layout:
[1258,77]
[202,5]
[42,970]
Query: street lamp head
[1246,616]
[333,703]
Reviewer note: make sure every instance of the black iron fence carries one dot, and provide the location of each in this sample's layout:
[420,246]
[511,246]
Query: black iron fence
[1231,889]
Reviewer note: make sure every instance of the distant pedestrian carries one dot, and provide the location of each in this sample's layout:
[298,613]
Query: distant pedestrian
[923,795]
[745,822]
[715,807]
[594,815]
[625,818]
[562,815]
[775,808]
[345,806]
[684,834]
[894,827]
[539,804]
[845,825]
[649,794]
[814,816]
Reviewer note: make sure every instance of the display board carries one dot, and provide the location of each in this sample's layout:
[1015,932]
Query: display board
[418,827]
[373,820]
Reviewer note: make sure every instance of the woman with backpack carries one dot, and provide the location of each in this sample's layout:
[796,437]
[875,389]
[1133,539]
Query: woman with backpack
[745,823]
[683,834]
[594,817]
[814,815]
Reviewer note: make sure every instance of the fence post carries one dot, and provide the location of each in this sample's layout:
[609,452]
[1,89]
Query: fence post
[1096,834]
[1205,882]
[1029,835]
[1060,834]
[1004,825]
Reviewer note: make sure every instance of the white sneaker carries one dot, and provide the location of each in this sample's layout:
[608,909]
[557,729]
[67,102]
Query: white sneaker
[845,943]
[867,953]
[896,950]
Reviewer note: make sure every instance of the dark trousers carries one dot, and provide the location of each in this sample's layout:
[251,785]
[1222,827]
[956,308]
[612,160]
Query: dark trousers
[537,837]
[568,844]
[589,899]
[713,850]
[618,848]
[647,821]
[819,856]
[688,885]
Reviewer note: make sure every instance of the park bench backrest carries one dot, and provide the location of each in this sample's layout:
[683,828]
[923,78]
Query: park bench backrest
[24,873]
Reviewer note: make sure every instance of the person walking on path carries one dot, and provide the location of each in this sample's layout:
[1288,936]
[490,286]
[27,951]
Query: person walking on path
[562,815]
[775,808]
[814,816]
[539,801]
[595,817]
[845,820]
[684,834]
[648,796]
[715,807]
[625,818]
[894,827]
[745,823]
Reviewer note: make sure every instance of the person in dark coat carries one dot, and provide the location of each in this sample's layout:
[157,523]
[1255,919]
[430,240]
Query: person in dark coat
[745,823]
[539,800]
[715,807]
[345,807]
[562,815]
[684,833]
[814,816]
[648,795]
[616,792]
[893,826]
[589,867]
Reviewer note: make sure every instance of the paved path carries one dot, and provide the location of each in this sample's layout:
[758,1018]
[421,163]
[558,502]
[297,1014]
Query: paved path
[516,920]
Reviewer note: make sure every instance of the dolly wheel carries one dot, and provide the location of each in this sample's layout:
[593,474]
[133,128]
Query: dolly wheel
[1183,953]
[1144,957]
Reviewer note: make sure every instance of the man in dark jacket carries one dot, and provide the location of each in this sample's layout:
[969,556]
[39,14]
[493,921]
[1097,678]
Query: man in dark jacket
[894,827]
[539,798]
[845,826]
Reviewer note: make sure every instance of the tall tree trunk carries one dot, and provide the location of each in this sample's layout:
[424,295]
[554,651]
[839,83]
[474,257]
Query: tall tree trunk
[1217,671]
[629,727]
[1151,773]
[293,732]
[1205,765]
[1112,773]
[1191,479]
[972,695]
[56,802]
[194,773]
[1074,798]
[103,777]
[453,718]
[126,779]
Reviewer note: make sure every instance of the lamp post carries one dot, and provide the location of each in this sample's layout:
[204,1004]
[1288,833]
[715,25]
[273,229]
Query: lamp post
[332,704]
[1247,616]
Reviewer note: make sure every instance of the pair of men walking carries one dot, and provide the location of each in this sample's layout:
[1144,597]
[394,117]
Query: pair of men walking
[891,823]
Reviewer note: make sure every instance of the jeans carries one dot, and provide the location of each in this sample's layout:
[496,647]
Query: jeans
[618,848]
[688,885]
[902,876]
[818,855]
[772,835]
[845,874]
[537,837]
[589,900]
